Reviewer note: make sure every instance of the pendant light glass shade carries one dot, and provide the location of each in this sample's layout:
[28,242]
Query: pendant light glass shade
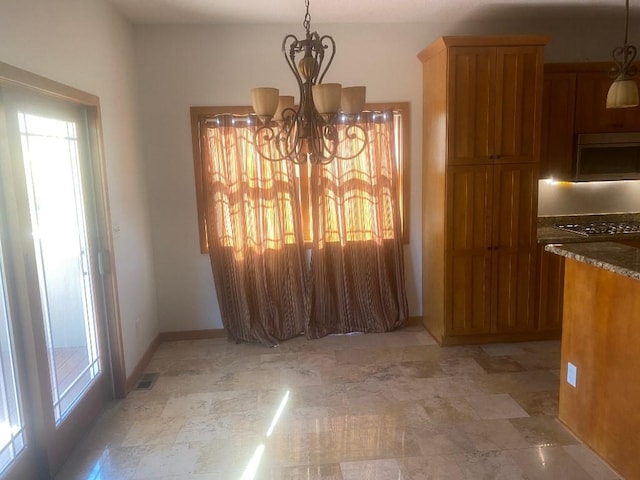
[326,97]
[353,100]
[623,94]
[265,101]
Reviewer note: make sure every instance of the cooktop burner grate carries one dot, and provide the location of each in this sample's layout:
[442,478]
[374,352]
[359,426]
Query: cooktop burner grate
[601,228]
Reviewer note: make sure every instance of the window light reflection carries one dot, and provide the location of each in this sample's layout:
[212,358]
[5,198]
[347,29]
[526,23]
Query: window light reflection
[100,470]
[541,455]
[283,403]
[252,467]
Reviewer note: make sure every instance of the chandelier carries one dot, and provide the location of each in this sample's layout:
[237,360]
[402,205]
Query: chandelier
[314,131]
[623,92]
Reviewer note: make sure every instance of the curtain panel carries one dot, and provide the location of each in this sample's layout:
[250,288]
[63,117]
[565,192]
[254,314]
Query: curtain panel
[254,236]
[357,267]
[265,289]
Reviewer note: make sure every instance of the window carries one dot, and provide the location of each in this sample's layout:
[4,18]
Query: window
[202,116]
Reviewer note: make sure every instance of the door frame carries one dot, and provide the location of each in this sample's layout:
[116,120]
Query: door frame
[114,355]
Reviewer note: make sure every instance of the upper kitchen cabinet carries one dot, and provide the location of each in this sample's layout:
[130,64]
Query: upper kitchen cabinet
[482,103]
[558,110]
[493,102]
[574,102]
[592,116]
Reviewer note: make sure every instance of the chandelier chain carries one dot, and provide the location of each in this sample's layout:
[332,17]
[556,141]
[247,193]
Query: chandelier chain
[307,18]
[626,25]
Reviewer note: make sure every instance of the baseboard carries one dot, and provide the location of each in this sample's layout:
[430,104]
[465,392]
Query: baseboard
[142,364]
[192,334]
[414,321]
[500,338]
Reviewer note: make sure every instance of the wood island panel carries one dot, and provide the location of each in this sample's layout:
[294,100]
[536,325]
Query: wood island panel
[601,336]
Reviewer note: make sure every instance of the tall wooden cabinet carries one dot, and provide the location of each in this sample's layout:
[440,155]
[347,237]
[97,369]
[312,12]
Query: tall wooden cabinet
[482,110]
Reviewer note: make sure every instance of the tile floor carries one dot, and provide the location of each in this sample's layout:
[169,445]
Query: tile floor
[392,406]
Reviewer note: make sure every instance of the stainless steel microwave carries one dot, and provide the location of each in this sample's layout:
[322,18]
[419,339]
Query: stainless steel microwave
[607,156]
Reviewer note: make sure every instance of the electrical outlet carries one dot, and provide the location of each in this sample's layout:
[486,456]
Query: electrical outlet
[572,374]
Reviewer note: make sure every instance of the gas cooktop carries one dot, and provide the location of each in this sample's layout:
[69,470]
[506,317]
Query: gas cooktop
[601,228]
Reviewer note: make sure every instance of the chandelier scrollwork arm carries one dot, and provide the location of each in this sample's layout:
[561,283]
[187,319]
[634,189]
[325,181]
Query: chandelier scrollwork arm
[623,58]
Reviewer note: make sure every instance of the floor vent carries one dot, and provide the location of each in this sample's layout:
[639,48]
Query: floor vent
[146,381]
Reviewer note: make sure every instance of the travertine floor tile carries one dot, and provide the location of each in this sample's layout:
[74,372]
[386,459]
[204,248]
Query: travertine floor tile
[491,465]
[432,467]
[488,435]
[542,463]
[501,405]
[377,406]
[543,431]
[538,403]
[590,462]
[372,470]
[178,460]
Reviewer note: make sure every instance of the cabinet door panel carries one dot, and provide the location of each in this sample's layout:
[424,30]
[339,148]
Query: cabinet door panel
[515,206]
[592,116]
[514,286]
[469,203]
[518,104]
[551,288]
[558,109]
[469,293]
[514,227]
[468,276]
[471,99]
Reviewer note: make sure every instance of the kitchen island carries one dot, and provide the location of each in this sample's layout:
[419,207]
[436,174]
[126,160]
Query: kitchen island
[600,370]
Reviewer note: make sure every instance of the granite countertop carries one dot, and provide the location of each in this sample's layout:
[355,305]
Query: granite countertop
[547,233]
[614,257]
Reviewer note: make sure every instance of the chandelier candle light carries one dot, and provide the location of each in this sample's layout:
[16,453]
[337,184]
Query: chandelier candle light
[310,132]
[623,92]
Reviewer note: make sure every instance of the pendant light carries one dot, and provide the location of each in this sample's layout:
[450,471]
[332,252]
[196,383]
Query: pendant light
[623,92]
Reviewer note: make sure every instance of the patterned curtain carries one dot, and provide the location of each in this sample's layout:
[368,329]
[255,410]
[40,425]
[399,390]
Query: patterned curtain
[254,235]
[357,272]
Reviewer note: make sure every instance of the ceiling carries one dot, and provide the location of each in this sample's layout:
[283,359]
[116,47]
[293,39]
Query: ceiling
[348,11]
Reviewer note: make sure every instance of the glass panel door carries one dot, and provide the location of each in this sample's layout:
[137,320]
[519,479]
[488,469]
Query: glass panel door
[12,426]
[50,153]
[52,228]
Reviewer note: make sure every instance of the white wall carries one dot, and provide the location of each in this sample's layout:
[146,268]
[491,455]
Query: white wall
[183,66]
[87,45]
[187,66]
